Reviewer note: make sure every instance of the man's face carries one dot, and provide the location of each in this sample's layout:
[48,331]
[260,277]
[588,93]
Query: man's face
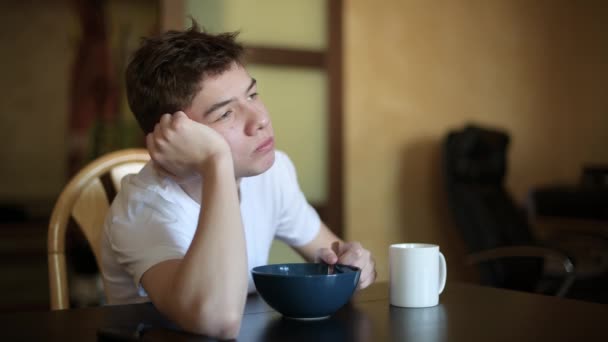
[229,104]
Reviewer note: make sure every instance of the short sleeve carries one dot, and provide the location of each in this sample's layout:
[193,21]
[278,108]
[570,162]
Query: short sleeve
[298,222]
[148,230]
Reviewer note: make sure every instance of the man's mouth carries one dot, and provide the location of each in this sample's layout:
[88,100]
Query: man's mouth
[266,145]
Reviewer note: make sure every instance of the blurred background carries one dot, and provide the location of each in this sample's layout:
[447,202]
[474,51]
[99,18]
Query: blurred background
[362,95]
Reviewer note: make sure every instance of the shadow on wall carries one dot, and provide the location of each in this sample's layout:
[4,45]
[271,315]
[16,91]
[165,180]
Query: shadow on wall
[423,207]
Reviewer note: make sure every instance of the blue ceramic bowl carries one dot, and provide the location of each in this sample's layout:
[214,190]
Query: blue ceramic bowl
[305,291]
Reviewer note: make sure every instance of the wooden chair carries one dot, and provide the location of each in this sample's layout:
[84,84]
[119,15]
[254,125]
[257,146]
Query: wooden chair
[86,201]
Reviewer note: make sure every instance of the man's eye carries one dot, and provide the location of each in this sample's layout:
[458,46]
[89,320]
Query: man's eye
[225,115]
[253,96]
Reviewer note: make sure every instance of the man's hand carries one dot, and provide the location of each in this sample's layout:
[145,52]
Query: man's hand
[189,290]
[353,254]
[183,148]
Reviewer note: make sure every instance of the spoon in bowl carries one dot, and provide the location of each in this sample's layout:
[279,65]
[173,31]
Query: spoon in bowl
[332,268]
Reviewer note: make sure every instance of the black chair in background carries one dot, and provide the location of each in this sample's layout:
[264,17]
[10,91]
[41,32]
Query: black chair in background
[574,217]
[495,229]
[595,176]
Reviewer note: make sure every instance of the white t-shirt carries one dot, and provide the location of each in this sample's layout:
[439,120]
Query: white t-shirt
[152,220]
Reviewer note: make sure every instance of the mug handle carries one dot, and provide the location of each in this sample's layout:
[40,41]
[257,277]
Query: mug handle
[443,272]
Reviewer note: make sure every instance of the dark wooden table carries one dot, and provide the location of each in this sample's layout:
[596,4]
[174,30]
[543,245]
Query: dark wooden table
[466,313]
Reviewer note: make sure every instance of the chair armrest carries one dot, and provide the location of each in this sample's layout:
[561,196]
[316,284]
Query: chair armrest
[588,251]
[528,252]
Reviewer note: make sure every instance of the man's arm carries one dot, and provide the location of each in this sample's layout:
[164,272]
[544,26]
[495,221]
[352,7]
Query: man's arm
[205,291]
[323,248]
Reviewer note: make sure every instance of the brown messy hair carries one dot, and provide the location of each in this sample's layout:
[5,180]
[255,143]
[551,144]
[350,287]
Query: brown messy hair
[165,72]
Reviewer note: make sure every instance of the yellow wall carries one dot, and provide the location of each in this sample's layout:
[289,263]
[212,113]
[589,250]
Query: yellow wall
[285,23]
[36,60]
[40,40]
[415,69]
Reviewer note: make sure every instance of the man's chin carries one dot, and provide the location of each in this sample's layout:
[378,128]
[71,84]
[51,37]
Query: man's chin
[260,166]
[266,163]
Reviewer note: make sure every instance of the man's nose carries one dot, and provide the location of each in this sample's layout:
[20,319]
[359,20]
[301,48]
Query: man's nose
[258,120]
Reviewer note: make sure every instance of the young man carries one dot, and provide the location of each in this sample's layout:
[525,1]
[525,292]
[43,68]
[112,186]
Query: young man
[185,231]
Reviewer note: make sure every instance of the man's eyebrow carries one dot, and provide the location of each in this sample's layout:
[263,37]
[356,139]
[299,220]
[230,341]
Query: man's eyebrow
[223,103]
[253,82]
[217,105]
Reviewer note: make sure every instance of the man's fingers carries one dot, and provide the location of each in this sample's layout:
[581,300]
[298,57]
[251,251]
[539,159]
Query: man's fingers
[348,246]
[355,257]
[180,114]
[327,256]
[153,150]
[363,283]
[368,275]
[353,254]
[152,146]
[178,120]
[165,121]
[150,142]
[158,134]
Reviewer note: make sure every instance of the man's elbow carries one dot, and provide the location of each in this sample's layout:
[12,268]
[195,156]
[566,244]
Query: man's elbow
[223,325]
[229,327]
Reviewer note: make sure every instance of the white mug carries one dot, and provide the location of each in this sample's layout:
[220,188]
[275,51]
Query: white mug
[417,274]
